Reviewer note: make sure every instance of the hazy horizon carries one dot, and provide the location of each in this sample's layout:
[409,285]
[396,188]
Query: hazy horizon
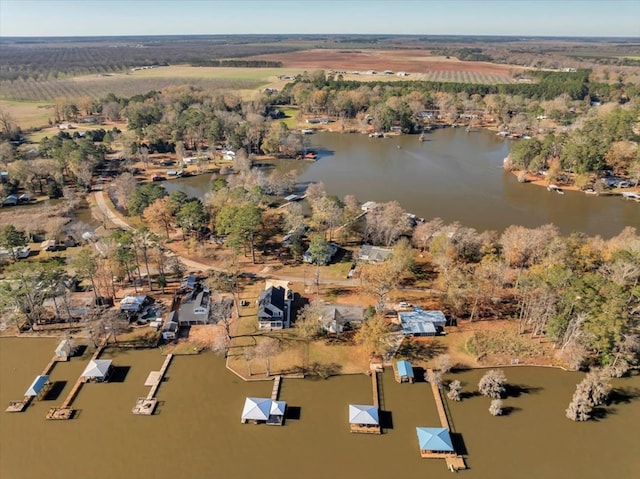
[497,18]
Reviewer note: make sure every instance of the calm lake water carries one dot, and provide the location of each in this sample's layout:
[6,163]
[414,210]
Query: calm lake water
[197,431]
[455,175]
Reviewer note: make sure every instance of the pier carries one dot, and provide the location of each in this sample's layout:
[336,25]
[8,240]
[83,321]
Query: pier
[65,411]
[276,388]
[369,427]
[146,405]
[19,406]
[453,460]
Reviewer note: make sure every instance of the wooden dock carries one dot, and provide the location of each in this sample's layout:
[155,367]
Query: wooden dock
[145,406]
[453,460]
[19,406]
[65,411]
[374,387]
[276,388]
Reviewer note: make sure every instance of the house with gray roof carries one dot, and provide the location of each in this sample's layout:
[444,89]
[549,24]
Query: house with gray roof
[373,254]
[335,317]
[195,307]
[421,323]
[274,306]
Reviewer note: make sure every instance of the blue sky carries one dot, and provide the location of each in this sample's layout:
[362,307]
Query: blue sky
[422,17]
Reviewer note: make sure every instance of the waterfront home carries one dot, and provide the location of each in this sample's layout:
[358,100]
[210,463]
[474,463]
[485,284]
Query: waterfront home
[195,307]
[134,304]
[373,254]
[263,411]
[171,327]
[274,305]
[434,440]
[421,323]
[403,372]
[97,370]
[38,387]
[364,419]
[65,349]
[336,317]
[332,249]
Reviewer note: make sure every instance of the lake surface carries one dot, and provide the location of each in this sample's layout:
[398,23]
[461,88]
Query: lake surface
[197,431]
[455,175]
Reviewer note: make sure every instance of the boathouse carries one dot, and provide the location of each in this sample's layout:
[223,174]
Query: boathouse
[364,419]
[263,411]
[97,370]
[38,387]
[434,441]
[65,350]
[404,372]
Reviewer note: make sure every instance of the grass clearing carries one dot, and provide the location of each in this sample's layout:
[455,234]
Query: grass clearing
[28,114]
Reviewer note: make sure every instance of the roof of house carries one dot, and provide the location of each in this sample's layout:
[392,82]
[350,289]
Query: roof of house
[271,302]
[421,322]
[97,368]
[373,253]
[342,313]
[196,305]
[132,303]
[434,439]
[36,386]
[404,368]
[359,414]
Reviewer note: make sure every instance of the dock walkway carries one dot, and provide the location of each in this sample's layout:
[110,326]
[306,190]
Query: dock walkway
[146,405]
[65,411]
[276,388]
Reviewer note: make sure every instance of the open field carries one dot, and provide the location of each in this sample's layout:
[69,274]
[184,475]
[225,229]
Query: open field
[28,114]
[435,68]
[241,80]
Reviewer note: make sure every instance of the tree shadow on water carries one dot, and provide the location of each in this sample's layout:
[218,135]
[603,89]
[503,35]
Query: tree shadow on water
[508,410]
[517,390]
[623,395]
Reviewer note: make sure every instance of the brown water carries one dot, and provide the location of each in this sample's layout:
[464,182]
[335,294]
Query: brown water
[197,431]
[456,175]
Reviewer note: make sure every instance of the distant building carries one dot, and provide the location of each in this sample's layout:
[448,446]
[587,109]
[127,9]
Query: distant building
[274,306]
[368,206]
[331,252]
[134,304]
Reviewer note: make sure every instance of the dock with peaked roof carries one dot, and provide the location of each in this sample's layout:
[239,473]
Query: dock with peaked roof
[21,405]
[146,405]
[436,442]
[65,411]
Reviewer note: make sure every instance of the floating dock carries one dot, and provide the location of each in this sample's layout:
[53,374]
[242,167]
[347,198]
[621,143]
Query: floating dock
[146,405]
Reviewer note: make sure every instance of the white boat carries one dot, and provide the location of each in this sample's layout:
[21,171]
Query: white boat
[306,131]
[555,188]
[631,196]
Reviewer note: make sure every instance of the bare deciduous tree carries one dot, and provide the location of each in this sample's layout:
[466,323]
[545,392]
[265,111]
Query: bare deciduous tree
[266,349]
[496,407]
[455,388]
[492,384]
